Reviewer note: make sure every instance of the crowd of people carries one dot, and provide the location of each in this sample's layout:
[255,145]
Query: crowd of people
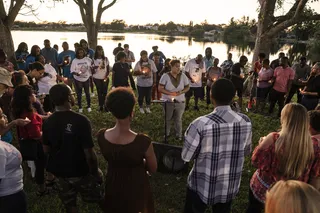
[56,142]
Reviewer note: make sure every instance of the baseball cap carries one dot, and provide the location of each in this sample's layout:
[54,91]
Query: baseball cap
[5,77]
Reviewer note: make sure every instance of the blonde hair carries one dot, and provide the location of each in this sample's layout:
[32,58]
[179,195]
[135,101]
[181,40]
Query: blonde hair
[294,148]
[292,197]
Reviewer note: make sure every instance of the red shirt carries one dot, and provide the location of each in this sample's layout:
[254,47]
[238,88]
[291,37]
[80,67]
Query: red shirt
[257,66]
[267,173]
[33,129]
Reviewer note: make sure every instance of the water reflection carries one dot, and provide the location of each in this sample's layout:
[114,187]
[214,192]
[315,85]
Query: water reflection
[113,38]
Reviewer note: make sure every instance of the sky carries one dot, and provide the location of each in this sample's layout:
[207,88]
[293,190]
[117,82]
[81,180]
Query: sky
[156,11]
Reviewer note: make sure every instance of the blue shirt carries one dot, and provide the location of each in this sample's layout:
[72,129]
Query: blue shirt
[69,55]
[7,137]
[162,56]
[21,59]
[208,62]
[90,53]
[29,60]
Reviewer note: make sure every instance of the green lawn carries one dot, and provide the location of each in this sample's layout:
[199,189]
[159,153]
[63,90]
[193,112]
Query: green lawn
[168,190]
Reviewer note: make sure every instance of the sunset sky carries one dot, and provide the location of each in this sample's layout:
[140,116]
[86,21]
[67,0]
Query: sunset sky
[160,11]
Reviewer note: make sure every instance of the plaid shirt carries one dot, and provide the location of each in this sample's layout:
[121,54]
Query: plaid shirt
[218,143]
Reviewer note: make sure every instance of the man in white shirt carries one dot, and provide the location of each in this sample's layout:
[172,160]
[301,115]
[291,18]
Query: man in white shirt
[195,70]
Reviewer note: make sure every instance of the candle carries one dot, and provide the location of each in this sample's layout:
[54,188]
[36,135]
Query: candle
[65,61]
[172,99]
[105,80]
[214,79]
[27,119]
[80,73]
[65,79]
[143,72]
[242,75]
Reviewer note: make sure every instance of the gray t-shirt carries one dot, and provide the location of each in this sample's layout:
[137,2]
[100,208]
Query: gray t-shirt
[300,73]
[11,174]
[166,81]
[149,68]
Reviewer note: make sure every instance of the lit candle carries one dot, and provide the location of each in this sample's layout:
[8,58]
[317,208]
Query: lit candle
[65,61]
[143,72]
[172,99]
[300,90]
[242,75]
[214,79]
[65,79]
[105,80]
[80,73]
[27,119]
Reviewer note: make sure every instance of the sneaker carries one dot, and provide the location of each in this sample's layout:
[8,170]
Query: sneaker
[89,109]
[92,94]
[148,110]
[80,110]
[141,110]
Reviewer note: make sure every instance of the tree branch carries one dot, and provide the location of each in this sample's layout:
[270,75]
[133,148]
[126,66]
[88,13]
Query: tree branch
[12,14]
[290,13]
[109,5]
[3,13]
[285,24]
[81,3]
[101,9]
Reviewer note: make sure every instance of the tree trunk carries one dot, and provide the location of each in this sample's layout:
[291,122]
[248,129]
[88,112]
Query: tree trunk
[92,35]
[6,41]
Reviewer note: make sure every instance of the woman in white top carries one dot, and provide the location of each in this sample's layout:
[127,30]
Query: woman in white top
[48,80]
[12,197]
[101,75]
[81,70]
[145,70]
[173,85]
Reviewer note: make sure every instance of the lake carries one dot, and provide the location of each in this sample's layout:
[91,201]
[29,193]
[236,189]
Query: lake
[178,46]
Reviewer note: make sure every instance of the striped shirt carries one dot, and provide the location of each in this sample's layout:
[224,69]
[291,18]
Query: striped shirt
[218,143]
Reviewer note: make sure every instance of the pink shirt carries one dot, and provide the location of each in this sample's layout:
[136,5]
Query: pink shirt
[282,75]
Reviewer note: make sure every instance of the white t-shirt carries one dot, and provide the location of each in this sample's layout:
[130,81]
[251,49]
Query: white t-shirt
[83,67]
[45,83]
[129,55]
[150,68]
[195,72]
[102,68]
[11,173]
[167,83]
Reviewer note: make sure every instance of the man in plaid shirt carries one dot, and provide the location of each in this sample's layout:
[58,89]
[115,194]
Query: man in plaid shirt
[218,143]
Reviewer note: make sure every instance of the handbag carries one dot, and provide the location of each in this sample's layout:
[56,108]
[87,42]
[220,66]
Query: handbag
[28,148]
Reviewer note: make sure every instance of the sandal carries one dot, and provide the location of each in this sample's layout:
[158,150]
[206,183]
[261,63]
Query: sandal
[42,193]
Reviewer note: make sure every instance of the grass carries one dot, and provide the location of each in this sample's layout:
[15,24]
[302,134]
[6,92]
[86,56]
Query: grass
[168,190]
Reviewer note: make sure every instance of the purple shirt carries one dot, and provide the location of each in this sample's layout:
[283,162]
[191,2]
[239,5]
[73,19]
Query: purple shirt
[264,76]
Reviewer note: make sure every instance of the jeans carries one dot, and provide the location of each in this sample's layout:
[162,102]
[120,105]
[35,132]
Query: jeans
[40,165]
[15,203]
[309,103]
[195,205]
[102,90]
[208,88]
[294,89]
[255,206]
[144,92]
[275,97]
[78,86]
[174,111]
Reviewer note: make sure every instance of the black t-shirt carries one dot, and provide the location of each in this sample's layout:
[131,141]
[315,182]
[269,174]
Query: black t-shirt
[121,74]
[236,69]
[313,85]
[67,134]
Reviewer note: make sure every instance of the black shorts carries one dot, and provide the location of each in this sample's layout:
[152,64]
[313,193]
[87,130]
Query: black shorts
[238,84]
[196,91]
